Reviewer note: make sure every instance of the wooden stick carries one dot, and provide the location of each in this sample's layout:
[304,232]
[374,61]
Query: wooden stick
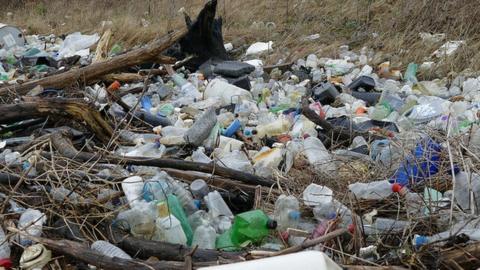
[96,70]
[311,243]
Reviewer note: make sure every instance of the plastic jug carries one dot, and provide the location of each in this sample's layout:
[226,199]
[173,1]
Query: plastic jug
[287,212]
[228,93]
[109,250]
[204,237]
[168,227]
[216,205]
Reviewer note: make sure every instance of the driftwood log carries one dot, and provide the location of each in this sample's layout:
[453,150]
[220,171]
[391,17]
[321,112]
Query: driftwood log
[69,108]
[97,70]
[64,146]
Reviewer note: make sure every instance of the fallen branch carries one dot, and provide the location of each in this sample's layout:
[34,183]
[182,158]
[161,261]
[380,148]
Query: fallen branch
[97,70]
[68,108]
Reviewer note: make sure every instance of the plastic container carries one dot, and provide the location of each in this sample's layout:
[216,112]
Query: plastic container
[133,189]
[287,212]
[267,161]
[32,222]
[228,93]
[139,220]
[306,260]
[216,205]
[109,250]
[199,189]
[4,250]
[376,190]
[198,218]
[385,226]
[168,227]
[202,127]
[204,237]
[35,257]
[232,128]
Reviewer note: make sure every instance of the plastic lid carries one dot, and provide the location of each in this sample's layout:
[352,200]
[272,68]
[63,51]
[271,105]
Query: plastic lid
[6,263]
[295,215]
[271,224]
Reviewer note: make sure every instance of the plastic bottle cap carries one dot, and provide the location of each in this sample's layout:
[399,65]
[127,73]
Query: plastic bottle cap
[198,203]
[351,228]
[295,215]
[396,187]
[6,263]
[114,86]
[271,224]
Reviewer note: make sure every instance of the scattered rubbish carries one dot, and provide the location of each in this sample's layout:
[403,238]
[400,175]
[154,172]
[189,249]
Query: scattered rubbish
[213,154]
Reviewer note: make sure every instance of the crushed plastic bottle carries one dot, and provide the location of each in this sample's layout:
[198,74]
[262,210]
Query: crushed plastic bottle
[318,156]
[109,250]
[372,190]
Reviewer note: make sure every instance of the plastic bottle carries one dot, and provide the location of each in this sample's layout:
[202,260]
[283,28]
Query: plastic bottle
[176,209]
[287,212]
[386,225]
[139,220]
[420,240]
[318,156]
[204,237]
[202,127]
[199,156]
[133,189]
[251,226]
[168,227]
[376,190]
[275,128]
[467,190]
[156,188]
[228,93]
[413,201]
[152,149]
[184,197]
[187,88]
[216,205]
[199,189]
[32,222]
[232,128]
[109,250]
[314,195]
[4,251]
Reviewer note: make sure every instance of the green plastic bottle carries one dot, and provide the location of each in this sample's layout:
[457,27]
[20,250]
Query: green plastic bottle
[248,227]
[176,209]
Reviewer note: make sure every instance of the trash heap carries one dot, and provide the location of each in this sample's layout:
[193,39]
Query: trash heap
[234,160]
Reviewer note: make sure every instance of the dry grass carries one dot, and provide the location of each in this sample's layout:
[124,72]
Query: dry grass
[352,22]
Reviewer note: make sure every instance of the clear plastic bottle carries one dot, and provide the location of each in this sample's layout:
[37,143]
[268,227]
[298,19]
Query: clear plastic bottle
[375,190]
[386,225]
[109,250]
[287,212]
[202,128]
[216,205]
[60,194]
[318,156]
[31,221]
[133,189]
[204,237]
[184,197]
[176,209]
[4,250]
[168,227]
[198,218]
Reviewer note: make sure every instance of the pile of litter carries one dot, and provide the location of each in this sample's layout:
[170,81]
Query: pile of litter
[130,159]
